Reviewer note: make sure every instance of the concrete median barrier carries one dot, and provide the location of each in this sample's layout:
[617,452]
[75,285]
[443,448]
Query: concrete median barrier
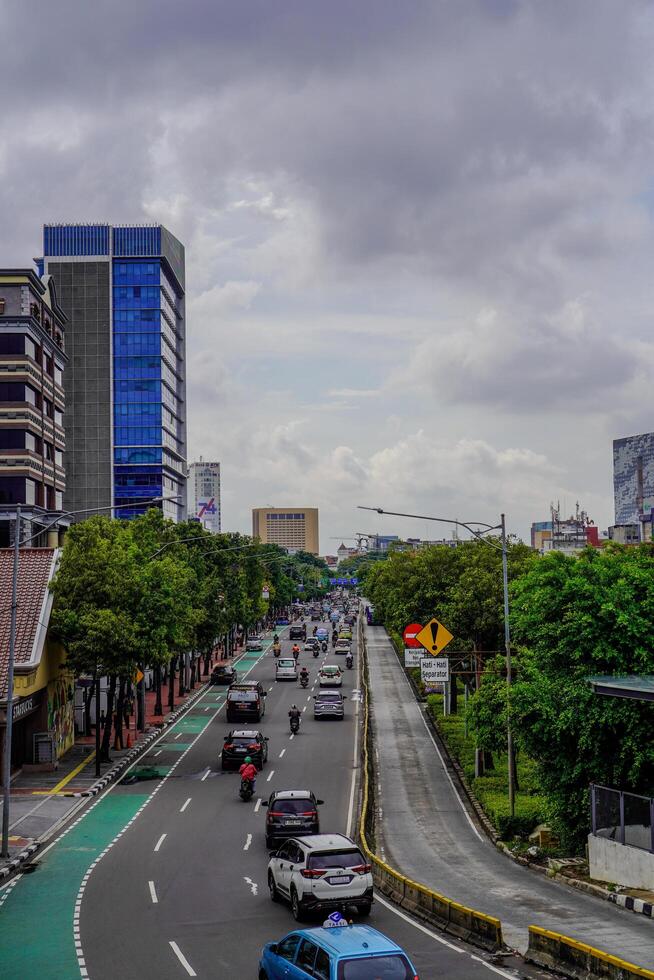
[577,960]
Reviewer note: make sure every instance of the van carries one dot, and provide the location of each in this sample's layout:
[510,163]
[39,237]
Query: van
[246,700]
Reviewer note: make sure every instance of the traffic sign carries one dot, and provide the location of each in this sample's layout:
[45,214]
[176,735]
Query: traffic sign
[435,670]
[410,633]
[412,657]
[434,637]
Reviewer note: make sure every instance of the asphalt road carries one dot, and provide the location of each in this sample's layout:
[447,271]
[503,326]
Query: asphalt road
[427,832]
[167,878]
[208,874]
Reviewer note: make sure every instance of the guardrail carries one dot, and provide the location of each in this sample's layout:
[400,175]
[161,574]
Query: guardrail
[576,959]
[452,917]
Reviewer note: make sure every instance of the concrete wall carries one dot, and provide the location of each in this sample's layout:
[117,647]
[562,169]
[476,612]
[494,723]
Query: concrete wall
[614,862]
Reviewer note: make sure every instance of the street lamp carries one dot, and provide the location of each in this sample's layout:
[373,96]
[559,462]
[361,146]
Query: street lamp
[501,527]
[12,647]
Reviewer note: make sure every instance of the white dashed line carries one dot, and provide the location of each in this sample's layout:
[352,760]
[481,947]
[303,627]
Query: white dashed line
[205,775]
[178,735]
[182,959]
[270,775]
[182,808]
[253,885]
[155,754]
[248,841]
[257,805]
[291,737]
[153,894]
[282,753]
[159,842]
[304,709]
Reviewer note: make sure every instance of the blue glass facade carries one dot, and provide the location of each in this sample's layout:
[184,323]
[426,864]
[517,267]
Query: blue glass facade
[146,297]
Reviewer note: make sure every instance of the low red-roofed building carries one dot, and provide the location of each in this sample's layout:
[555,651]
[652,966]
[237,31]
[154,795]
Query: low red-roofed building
[43,688]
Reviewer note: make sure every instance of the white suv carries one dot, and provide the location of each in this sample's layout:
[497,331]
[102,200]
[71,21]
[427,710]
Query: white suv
[321,872]
[330,675]
[286,669]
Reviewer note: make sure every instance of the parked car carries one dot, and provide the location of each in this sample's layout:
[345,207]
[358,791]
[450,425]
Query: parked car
[286,669]
[246,701]
[243,742]
[329,704]
[224,674]
[254,643]
[332,954]
[322,872]
[291,812]
[330,675]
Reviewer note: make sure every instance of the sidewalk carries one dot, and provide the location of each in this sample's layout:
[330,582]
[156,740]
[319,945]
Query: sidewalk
[42,801]
[425,832]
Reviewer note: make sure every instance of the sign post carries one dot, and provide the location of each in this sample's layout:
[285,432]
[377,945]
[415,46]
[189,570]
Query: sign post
[413,650]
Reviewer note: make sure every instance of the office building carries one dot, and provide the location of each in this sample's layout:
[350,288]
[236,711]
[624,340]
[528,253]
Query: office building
[293,528]
[122,289]
[32,404]
[567,534]
[204,494]
[633,478]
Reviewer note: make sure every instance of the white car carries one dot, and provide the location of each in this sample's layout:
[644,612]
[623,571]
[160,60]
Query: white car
[322,872]
[254,643]
[330,675]
[342,648]
[286,669]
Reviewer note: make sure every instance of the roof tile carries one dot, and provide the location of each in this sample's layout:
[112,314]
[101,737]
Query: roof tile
[34,570]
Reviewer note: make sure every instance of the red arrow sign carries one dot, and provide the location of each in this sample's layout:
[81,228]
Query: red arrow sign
[410,633]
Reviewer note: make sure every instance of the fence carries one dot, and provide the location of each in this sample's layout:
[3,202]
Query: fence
[622,817]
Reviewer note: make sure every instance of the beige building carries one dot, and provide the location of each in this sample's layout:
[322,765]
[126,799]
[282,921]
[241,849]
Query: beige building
[295,528]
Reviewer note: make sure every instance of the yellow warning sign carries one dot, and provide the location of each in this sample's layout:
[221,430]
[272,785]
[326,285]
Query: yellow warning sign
[434,637]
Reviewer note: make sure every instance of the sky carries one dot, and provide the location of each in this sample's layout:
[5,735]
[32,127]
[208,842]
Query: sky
[418,235]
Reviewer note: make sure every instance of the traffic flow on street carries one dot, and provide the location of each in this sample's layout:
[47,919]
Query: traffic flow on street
[174,875]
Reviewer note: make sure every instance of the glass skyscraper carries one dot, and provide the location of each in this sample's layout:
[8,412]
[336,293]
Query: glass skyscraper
[122,289]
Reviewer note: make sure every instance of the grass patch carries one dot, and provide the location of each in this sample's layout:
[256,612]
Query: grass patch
[492,789]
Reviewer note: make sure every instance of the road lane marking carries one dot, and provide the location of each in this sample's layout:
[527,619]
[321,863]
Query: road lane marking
[207,707]
[178,735]
[417,925]
[291,737]
[254,888]
[155,754]
[153,894]
[185,805]
[309,698]
[304,709]
[205,775]
[490,966]
[282,753]
[270,775]
[182,959]
[159,842]
[270,688]
[248,841]
[257,805]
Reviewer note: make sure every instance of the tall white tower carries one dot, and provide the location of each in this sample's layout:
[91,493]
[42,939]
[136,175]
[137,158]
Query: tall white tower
[204,494]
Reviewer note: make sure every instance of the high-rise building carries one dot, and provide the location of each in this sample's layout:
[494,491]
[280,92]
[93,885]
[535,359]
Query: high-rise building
[32,362]
[294,528]
[633,478]
[122,289]
[204,494]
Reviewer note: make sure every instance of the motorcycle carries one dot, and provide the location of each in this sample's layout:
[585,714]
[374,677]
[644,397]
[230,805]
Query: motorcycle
[334,639]
[246,790]
[349,661]
[304,680]
[316,650]
[295,724]
[296,654]
[324,646]
[277,649]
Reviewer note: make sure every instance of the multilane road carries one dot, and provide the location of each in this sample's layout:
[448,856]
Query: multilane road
[167,878]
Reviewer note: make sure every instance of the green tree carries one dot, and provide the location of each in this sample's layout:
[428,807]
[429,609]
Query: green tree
[578,617]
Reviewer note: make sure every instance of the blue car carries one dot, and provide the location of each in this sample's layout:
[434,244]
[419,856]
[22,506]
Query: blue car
[282,621]
[340,953]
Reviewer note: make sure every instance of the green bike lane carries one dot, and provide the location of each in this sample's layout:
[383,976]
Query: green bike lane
[39,911]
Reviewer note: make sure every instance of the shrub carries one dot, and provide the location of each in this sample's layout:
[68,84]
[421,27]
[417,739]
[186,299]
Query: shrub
[529,811]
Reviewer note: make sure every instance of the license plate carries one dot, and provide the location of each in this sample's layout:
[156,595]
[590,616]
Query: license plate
[339,879]
[292,823]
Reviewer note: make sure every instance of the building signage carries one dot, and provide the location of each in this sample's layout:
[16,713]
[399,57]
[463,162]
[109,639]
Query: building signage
[413,657]
[21,709]
[435,670]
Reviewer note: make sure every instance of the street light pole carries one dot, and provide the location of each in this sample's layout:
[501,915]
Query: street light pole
[6,801]
[501,527]
[10,694]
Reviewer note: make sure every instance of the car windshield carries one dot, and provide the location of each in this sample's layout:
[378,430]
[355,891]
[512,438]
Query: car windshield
[389,966]
[330,696]
[350,858]
[286,663]
[244,739]
[292,806]
[330,670]
[242,696]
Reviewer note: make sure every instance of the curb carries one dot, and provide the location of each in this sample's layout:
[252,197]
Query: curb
[109,777]
[633,904]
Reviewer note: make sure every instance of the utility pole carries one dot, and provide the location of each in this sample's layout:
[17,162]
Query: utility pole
[10,693]
[507,646]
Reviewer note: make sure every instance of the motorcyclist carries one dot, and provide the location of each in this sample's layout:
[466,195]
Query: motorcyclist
[294,715]
[248,771]
[315,630]
[304,677]
[275,638]
[348,660]
[296,651]
[334,638]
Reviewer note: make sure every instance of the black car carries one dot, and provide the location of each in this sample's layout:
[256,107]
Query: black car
[246,701]
[291,813]
[297,633]
[224,674]
[244,742]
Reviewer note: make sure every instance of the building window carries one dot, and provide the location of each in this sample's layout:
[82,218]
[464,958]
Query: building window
[59,457]
[58,417]
[58,374]
[59,500]
[30,492]
[2,305]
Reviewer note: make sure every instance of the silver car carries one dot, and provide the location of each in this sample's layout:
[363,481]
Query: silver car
[329,704]
[286,669]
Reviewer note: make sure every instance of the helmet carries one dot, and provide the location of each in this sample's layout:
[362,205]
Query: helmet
[293,707]
[248,759]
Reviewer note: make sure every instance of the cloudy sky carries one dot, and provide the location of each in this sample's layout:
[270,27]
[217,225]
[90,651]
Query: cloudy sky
[419,235]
